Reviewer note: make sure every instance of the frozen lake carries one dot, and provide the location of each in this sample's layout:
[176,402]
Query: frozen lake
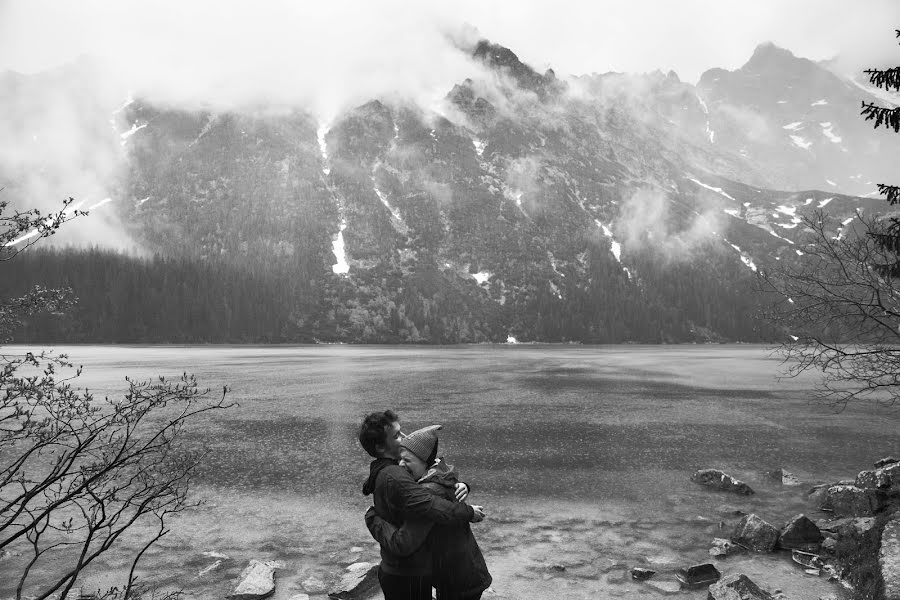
[581,455]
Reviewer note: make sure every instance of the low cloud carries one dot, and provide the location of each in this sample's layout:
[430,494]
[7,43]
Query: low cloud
[647,221]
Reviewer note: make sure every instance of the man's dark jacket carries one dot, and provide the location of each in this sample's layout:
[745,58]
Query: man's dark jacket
[397,497]
[458,567]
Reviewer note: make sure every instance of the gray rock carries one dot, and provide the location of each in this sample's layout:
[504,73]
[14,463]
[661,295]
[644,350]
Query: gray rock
[717,479]
[357,582]
[850,501]
[817,494]
[755,534]
[257,581]
[784,477]
[737,587]
[641,574]
[665,587]
[800,534]
[722,548]
[886,461]
[889,559]
[314,585]
[299,597]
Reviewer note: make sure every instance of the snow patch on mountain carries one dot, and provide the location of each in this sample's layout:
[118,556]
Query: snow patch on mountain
[480,145]
[714,189]
[821,102]
[614,246]
[134,129]
[829,132]
[793,126]
[824,203]
[323,147]
[340,266]
[481,277]
[800,142]
[743,256]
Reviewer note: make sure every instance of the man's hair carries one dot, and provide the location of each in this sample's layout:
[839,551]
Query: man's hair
[372,431]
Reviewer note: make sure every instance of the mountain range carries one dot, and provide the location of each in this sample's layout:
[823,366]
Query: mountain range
[601,208]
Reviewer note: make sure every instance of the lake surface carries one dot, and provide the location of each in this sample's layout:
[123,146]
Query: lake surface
[581,456]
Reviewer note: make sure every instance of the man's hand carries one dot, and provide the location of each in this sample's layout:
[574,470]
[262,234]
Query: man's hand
[478,513]
[462,491]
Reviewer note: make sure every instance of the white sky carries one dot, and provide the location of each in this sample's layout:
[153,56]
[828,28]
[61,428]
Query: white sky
[573,36]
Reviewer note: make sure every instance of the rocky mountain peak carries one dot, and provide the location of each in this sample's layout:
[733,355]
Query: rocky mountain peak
[504,59]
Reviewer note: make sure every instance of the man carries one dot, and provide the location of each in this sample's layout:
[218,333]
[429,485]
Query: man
[397,496]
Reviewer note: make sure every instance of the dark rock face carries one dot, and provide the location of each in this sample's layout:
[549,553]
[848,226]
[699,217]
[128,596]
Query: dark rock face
[851,501]
[737,587]
[754,533]
[889,560]
[717,479]
[800,533]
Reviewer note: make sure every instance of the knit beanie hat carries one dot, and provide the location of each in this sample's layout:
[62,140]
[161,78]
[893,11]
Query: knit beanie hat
[421,441]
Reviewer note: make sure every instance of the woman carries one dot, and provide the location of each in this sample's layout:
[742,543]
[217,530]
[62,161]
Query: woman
[458,568]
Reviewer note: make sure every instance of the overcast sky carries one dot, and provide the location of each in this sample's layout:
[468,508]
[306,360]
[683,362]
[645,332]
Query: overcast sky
[572,36]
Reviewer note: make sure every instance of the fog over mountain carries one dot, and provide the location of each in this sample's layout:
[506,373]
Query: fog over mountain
[463,196]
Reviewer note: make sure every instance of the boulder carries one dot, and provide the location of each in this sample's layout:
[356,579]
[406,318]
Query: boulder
[257,581]
[800,534]
[723,481]
[698,575]
[883,478]
[850,501]
[755,534]
[889,460]
[817,494]
[360,579]
[722,548]
[641,574]
[889,559]
[737,587]
[314,585]
[665,587]
[783,477]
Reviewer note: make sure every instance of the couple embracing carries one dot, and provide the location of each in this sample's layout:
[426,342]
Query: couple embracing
[419,515]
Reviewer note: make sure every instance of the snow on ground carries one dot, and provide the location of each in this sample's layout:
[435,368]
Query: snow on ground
[788,210]
[829,132]
[793,126]
[808,201]
[733,212]
[480,145]
[824,203]
[821,102]
[800,142]
[744,258]
[323,147]
[780,238]
[481,277]
[555,289]
[128,100]
[614,246]
[127,134]
[142,200]
[511,340]
[714,189]
[846,221]
[786,225]
[781,102]
[337,246]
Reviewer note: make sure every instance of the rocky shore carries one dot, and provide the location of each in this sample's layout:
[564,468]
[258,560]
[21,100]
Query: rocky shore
[849,536]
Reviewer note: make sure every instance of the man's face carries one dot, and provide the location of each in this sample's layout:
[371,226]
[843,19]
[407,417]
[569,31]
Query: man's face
[392,437]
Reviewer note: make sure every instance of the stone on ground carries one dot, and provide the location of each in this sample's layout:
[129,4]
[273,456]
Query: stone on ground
[722,548]
[755,534]
[360,579]
[737,587]
[723,481]
[850,501]
[800,533]
[257,581]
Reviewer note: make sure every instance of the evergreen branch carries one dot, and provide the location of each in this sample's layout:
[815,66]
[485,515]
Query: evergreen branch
[889,117]
[887,79]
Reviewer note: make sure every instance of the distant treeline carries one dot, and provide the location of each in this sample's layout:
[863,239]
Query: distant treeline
[127,299]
